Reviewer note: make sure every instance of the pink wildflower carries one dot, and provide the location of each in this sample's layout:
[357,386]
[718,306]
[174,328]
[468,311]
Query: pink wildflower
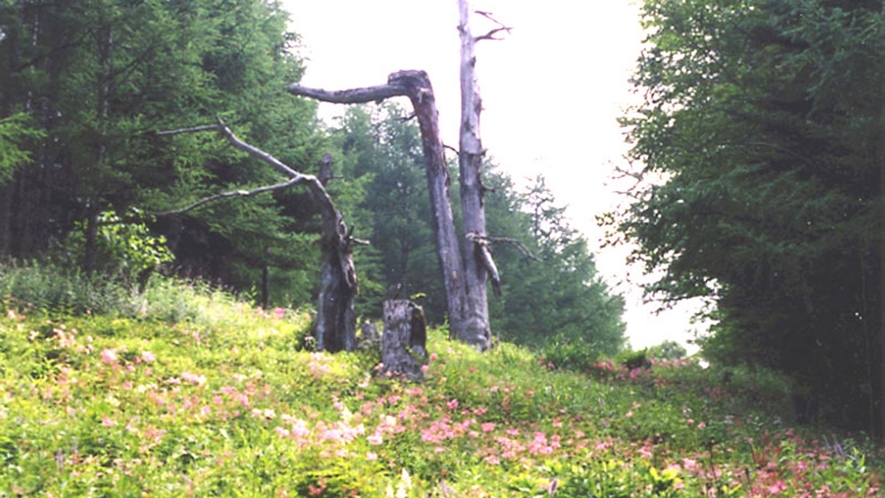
[371,456]
[107,422]
[109,356]
[279,313]
[148,357]
[299,429]
[539,445]
[193,378]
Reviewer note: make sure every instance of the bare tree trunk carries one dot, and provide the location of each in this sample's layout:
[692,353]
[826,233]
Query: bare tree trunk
[416,86]
[93,209]
[404,335]
[90,253]
[470,156]
[336,321]
[447,246]
[879,243]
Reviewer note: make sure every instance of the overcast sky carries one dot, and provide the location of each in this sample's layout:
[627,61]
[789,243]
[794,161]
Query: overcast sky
[552,91]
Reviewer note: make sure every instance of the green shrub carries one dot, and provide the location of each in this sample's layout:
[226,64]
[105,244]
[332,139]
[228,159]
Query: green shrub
[45,287]
[125,249]
[667,350]
[564,353]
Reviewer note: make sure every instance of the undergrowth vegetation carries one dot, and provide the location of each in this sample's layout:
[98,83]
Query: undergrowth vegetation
[187,391]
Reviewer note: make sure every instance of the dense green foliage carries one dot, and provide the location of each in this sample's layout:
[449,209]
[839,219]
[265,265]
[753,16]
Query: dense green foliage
[14,130]
[555,298]
[97,78]
[85,86]
[761,140]
[560,299]
[198,394]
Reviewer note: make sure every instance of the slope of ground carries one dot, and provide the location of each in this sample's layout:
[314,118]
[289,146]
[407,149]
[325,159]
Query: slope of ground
[202,395]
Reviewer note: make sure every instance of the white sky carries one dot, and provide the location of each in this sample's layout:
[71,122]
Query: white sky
[552,91]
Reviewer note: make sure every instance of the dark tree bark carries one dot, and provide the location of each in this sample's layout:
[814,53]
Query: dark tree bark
[880,246]
[405,335]
[466,323]
[336,321]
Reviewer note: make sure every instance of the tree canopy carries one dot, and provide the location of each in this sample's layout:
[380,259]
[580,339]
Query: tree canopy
[560,297]
[86,86]
[761,141]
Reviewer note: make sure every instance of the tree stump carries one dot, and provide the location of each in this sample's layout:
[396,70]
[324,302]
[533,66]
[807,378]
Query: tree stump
[405,335]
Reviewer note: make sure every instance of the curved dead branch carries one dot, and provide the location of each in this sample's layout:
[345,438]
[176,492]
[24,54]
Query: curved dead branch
[349,96]
[491,34]
[232,193]
[295,177]
[336,321]
[475,237]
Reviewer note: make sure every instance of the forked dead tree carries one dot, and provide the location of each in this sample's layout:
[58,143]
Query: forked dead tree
[465,323]
[465,274]
[335,322]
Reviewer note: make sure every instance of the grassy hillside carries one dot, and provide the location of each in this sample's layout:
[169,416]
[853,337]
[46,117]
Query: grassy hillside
[192,393]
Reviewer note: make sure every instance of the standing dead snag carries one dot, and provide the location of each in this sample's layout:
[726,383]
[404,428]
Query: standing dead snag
[336,321]
[405,335]
[479,265]
[465,275]
[416,86]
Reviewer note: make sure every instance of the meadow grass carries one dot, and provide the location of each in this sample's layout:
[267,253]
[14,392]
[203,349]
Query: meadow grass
[195,393]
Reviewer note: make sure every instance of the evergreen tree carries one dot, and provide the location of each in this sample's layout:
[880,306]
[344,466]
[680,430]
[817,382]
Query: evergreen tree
[98,77]
[383,149]
[561,298]
[764,121]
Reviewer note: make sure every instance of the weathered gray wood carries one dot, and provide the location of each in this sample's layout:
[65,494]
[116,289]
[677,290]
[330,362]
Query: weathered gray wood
[336,320]
[416,86]
[478,262]
[404,336]
[447,245]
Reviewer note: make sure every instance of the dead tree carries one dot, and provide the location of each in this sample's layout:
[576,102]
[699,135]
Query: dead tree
[479,266]
[465,324]
[336,321]
[464,274]
[404,337]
